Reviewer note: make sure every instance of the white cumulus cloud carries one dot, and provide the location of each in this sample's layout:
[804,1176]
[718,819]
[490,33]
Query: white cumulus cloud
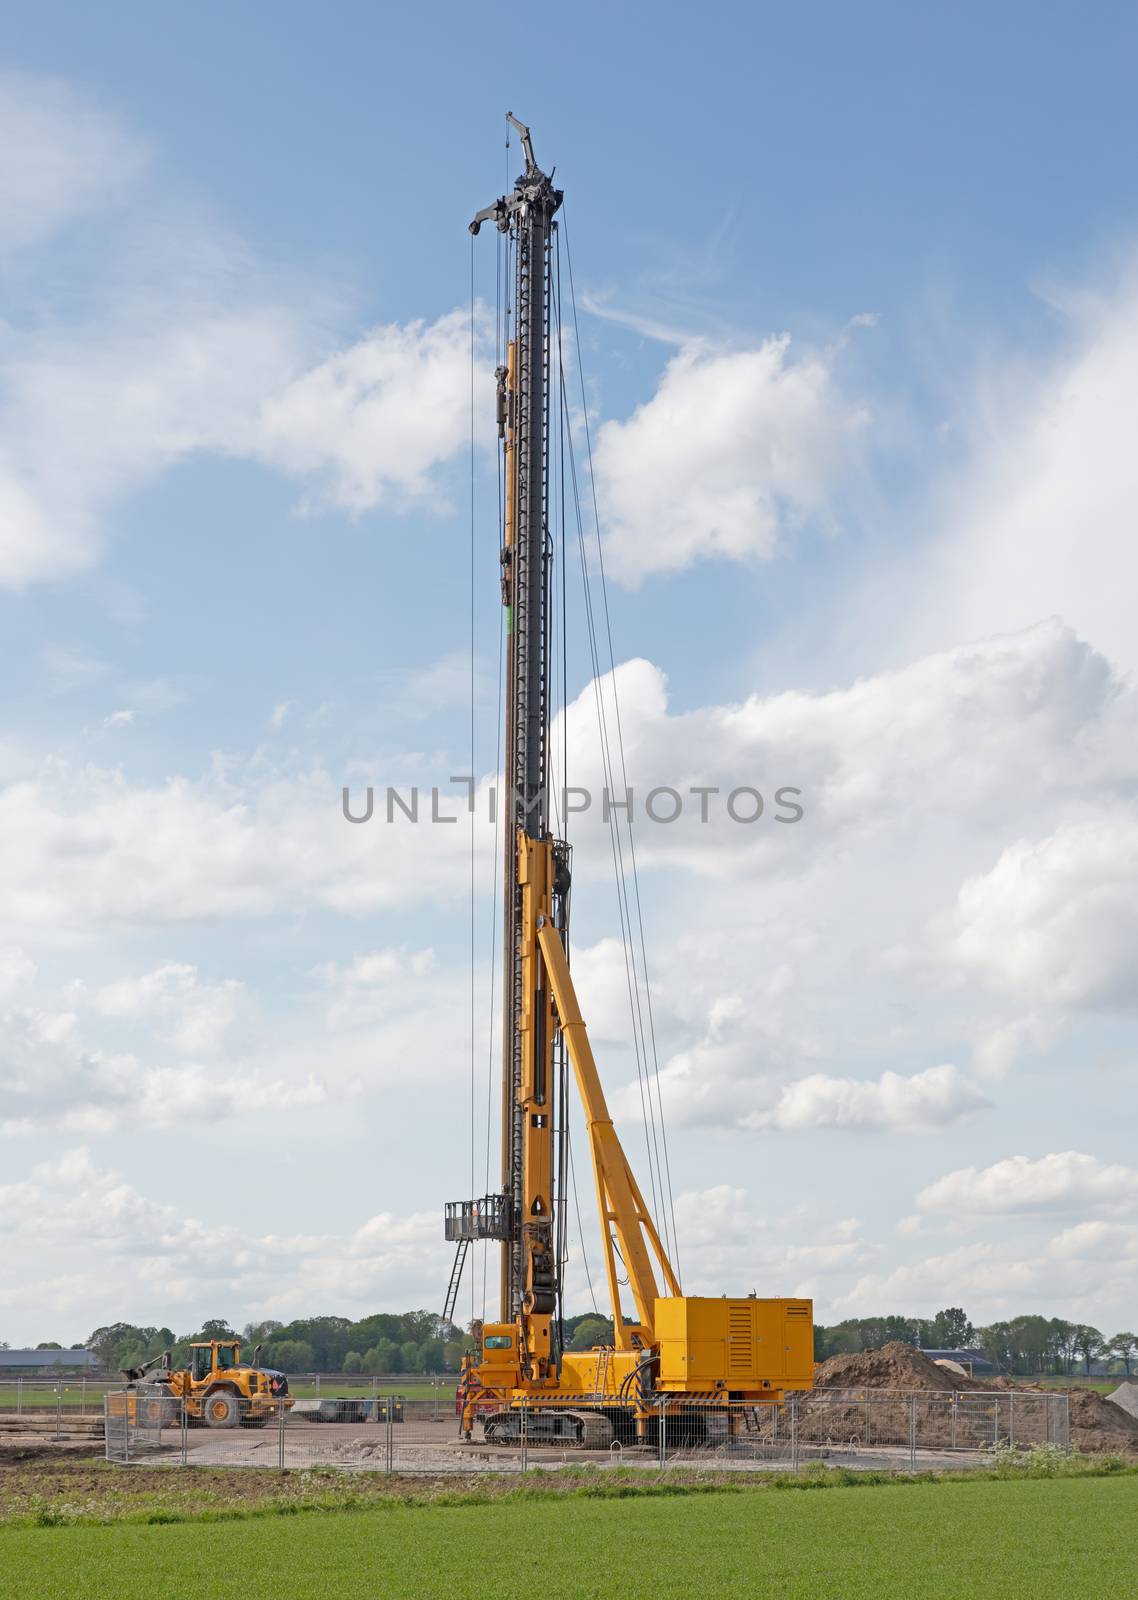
[1067,1181]
[1054,923]
[732,448]
[100,1228]
[371,423]
[180,344]
[195,1016]
[917,1103]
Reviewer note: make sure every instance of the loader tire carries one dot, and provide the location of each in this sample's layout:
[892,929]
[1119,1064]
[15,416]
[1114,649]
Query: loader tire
[221,1409]
[157,1412]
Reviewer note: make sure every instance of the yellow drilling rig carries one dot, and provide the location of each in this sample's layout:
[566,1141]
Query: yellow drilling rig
[696,1354]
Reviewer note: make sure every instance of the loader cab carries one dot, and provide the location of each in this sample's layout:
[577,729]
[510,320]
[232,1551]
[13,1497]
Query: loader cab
[206,1359]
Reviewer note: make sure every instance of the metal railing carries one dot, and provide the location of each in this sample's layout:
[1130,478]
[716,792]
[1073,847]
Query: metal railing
[862,1429]
[870,1428]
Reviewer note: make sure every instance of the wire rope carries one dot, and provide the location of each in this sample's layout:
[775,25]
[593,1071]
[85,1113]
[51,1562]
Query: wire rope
[668,1218]
[614,837]
[473,871]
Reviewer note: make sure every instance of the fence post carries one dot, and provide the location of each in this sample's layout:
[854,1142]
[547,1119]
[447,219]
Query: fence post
[662,1433]
[184,1430]
[280,1432]
[59,1411]
[19,1395]
[912,1433]
[794,1432]
[390,1437]
[525,1437]
[317,1377]
[1012,1419]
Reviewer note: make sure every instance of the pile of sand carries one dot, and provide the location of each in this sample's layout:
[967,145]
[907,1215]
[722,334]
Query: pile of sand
[894,1366]
[1096,1424]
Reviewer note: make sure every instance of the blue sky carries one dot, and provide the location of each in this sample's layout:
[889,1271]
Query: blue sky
[859,322]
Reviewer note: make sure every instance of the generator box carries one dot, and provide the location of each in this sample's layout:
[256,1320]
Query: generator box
[747,1345]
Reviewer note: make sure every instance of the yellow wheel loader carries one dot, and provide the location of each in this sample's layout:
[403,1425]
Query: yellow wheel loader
[219,1389]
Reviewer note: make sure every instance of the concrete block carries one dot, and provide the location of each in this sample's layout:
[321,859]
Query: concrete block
[1126,1396]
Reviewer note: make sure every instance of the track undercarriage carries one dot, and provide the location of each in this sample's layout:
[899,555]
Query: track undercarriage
[687,1426]
[588,1430]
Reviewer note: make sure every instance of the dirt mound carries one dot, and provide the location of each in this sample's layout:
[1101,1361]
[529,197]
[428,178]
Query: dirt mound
[1096,1424]
[19,1450]
[894,1366]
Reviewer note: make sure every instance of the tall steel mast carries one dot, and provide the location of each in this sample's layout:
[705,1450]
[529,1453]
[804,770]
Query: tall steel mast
[535,869]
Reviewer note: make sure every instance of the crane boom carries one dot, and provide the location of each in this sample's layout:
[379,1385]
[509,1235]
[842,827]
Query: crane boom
[619,1199]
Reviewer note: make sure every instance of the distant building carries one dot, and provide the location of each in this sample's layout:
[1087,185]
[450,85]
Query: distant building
[17,1362]
[974,1362]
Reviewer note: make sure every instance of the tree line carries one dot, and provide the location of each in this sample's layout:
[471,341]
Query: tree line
[409,1341]
[421,1341]
[1026,1346]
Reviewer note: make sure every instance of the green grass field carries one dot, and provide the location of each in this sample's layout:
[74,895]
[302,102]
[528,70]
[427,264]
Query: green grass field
[43,1396]
[1102,1385]
[1074,1539]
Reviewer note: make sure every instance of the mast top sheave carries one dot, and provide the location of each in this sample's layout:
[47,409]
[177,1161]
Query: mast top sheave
[533,187]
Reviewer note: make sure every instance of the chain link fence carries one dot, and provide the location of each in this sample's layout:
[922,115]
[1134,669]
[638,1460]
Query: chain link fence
[382,1433]
[862,1429]
[83,1394]
[867,1429]
[38,1394]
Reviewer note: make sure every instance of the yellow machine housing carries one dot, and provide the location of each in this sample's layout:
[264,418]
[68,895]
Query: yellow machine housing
[741,1346]
[734,1349]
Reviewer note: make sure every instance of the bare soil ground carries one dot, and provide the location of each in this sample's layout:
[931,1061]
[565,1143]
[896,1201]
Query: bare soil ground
[1097,1426]
[72,1489]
